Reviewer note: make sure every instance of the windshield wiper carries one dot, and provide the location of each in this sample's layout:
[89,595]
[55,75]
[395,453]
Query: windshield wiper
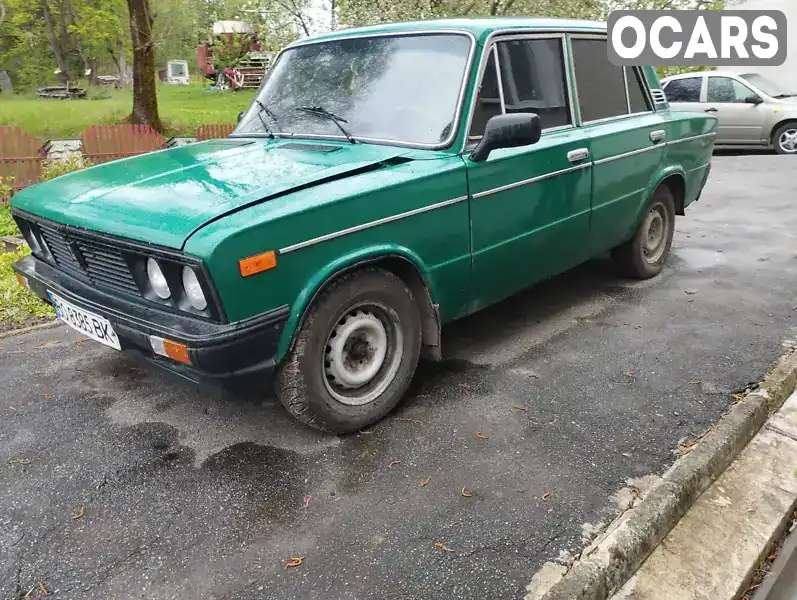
[265,109]
[781,96]
[323,112]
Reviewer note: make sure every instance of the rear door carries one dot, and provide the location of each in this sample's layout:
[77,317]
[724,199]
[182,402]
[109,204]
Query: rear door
[739,122]
[627,139]
[530,205]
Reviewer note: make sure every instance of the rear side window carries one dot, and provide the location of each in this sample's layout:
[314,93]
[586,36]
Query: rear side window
[601,86]
[684,90]
[637,96]
[533,79]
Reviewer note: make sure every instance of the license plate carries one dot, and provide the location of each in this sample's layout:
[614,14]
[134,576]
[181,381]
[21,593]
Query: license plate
[87,323]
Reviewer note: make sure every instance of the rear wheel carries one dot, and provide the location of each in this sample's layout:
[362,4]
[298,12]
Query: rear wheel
[355,353]
[644,255]
[785,139]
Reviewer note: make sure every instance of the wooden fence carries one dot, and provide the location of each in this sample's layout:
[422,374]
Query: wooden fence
[212,132]
[104,143]
[21,157]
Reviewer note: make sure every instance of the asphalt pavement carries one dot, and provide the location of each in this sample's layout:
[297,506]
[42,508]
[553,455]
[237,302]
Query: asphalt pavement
[118,481]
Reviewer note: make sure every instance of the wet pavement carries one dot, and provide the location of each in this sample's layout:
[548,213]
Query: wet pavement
[578,384]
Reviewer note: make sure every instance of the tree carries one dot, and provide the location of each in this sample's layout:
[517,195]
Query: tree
[145,96]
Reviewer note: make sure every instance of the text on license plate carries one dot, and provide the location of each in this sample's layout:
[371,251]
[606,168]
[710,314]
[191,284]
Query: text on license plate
[87,323]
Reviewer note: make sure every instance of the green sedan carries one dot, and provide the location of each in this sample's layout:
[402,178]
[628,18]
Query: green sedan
[385,181]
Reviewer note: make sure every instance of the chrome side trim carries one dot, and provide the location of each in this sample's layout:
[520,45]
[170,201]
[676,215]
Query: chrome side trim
[691,138]
[708,164]
[498,78]
[362,226]
[452,136]
[625,83]
[510,186]
[627,154]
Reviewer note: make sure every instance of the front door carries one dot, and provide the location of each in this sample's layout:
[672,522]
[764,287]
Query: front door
[740,122]
[530,206]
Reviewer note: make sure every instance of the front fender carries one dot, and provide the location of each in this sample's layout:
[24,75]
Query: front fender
[335,267]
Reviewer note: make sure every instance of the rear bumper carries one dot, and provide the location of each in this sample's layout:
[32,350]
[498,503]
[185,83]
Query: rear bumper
[234,353]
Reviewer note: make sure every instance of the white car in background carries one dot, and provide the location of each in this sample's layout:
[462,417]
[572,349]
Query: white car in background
[752,110]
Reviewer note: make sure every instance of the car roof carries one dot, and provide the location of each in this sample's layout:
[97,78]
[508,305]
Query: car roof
[701,73]
[480,27]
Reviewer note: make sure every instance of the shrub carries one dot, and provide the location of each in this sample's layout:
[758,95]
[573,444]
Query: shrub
[56,168]
[18,304]
[5,189]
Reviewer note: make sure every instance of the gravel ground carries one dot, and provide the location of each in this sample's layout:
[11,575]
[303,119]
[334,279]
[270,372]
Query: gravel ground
[578,384]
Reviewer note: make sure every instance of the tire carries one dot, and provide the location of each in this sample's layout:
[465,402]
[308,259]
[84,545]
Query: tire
[644,255]
[360,317]
[785,139]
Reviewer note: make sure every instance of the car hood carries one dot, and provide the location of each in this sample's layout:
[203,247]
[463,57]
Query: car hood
[164,196]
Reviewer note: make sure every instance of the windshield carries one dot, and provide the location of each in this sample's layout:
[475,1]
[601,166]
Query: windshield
[403,89]
[770,88]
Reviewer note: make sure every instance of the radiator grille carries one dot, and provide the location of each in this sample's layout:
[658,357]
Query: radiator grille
[88,258]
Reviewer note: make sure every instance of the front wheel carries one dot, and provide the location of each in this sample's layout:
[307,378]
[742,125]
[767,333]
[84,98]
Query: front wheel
[785,139]
[644,255]
[355,353]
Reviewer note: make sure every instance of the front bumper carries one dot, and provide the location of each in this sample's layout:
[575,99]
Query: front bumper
[234,353]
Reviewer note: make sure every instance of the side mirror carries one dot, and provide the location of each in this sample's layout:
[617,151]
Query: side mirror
[507,131]
[753,99]
[241,115]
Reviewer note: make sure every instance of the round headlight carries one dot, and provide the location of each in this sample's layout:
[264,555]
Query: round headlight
[193,290]
[156,279]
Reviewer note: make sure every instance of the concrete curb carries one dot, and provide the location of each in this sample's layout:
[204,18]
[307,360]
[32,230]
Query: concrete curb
[610,561]
[15,332]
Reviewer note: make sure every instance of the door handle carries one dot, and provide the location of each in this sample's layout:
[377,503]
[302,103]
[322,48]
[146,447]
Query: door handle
[658,135]
[711,110]
[576,155]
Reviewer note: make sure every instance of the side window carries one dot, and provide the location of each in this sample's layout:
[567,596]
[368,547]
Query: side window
[684,90]
[601,87]
[488,100]
[533,79]
[637,95]
[725,89]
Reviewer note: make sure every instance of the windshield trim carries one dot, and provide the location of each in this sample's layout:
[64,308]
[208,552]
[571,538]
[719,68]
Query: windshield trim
[447,143]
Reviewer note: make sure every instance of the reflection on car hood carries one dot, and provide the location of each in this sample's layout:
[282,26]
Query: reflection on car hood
[163,197]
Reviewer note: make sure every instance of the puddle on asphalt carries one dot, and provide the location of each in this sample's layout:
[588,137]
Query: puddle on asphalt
[697,258]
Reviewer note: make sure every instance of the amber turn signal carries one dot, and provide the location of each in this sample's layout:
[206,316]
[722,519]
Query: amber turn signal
[258,263]
[174,350]
[22,281]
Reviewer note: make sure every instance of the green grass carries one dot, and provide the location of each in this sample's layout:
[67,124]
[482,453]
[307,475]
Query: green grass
[17,304]
[182,109]
[7,224]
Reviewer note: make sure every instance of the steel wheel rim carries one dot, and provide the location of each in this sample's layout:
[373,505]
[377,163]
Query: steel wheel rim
[655,234]
[362,354]
[788,141]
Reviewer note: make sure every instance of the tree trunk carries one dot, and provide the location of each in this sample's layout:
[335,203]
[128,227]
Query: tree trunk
[145,97]
[58,52]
